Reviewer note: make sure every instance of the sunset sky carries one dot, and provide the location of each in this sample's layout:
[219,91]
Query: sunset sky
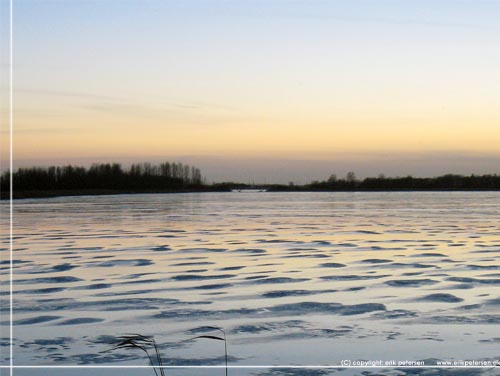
[260,90]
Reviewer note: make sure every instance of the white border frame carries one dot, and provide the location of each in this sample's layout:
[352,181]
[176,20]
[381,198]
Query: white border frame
[11,165]
[243,367]
[11,365]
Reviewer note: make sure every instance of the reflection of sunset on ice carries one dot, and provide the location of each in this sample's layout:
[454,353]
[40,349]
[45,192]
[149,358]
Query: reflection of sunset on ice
[304,278]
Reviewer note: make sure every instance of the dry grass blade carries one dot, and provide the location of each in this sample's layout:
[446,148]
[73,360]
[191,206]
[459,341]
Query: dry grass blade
[141,342]
[216,338]
[210,337]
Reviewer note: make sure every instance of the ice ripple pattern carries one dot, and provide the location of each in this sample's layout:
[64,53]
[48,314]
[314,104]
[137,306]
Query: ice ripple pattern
[294,278]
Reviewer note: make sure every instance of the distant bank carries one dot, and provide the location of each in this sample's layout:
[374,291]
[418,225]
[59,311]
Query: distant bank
[171,177]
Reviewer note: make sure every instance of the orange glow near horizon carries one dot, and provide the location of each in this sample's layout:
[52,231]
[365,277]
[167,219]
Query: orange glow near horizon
[321,135]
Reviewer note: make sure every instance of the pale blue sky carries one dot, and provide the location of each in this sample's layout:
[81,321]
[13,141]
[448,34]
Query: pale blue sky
[302,80]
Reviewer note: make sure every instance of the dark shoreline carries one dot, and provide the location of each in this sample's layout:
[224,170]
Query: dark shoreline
[112,179]
[107,192]
[88,192]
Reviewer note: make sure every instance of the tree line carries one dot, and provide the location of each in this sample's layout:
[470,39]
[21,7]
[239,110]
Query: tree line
[110,176]
[178,177]
[408,183]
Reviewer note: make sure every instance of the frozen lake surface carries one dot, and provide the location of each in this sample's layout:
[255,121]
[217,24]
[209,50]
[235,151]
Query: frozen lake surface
[294,279]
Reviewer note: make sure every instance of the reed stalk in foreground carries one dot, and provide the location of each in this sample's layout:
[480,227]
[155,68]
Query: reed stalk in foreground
[138,341]
[216,338]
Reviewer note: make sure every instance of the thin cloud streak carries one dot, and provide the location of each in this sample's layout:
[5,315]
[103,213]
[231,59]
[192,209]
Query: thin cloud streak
[180,103]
